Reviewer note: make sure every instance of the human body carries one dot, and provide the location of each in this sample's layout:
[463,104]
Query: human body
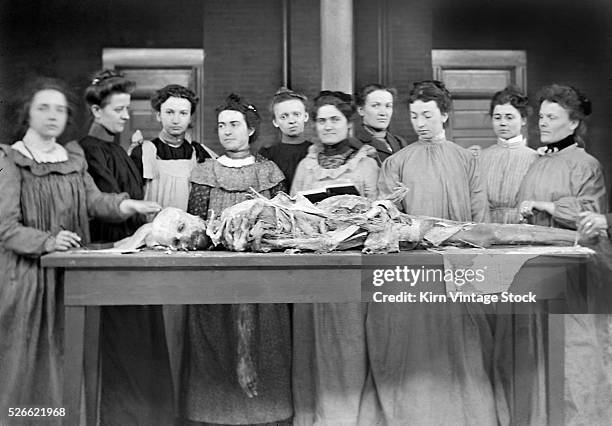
[329,352]
[48,197]
[290,116]
[375,107]
[237,366]
[133,342]
[166,162]
[439,360]
[562,185]
[505,163]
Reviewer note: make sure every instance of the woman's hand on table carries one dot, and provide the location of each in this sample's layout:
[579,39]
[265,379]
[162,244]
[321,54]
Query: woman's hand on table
[130,207]
[591,224]
[527,207]
[65,240]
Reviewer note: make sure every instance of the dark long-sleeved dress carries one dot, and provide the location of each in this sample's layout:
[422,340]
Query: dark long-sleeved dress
[212,392]
[287,157]
[391,144]
[38,199]
[136,383]
[113,171]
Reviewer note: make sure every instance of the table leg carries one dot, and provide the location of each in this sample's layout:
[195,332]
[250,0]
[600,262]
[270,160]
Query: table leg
[73,362]
[556,369]
[92,362]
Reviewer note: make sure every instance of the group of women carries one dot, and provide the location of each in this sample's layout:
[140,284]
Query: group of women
[340,364]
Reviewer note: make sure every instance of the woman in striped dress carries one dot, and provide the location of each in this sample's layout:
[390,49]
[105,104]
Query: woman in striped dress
[505,164]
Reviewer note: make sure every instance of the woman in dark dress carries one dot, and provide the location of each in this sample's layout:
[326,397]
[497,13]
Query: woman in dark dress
[290,116]
[136,385]
[108,97]
[375,107]
[47,199]
[238,357]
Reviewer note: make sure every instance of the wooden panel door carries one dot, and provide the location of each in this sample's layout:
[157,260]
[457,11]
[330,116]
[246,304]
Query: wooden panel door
[472,77]
[153,69]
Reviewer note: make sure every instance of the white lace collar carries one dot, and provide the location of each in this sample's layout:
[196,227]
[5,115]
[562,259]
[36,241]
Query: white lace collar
[236,163]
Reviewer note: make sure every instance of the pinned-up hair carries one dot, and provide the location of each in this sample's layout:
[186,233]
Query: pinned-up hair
[512,95]
[431,90]
[105,84]
[342,101]
[571,99]
[284,94]
[362,93]
[174,91]
[235,102]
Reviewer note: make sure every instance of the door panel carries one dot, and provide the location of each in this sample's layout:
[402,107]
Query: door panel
[471,123]
[151,79]
[476,81]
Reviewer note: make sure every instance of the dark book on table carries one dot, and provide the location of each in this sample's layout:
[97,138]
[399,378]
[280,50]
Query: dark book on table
[319,194]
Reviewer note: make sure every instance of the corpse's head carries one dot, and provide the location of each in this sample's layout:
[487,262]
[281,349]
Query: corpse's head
[172,228]
[177,229]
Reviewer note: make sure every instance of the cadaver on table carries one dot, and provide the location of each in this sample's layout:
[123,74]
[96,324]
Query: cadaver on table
[294,223]
[339,222]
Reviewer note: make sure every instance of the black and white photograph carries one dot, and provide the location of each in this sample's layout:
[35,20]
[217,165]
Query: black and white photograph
[318,212]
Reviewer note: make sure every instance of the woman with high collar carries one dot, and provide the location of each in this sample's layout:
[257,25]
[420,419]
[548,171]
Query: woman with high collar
[329,356]
[565,180]
[375,107]
[563,188]
[136,383]
[108,97]
[335,159]
[47,199]
[444,179]
[237,367]
[505,164]
[428,361]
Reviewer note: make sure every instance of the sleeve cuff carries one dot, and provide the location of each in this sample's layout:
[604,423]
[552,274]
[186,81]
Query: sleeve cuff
[49,245]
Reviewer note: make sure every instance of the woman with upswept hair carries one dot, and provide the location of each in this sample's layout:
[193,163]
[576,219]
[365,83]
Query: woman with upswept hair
[237,367]
[564,184]
[329,348]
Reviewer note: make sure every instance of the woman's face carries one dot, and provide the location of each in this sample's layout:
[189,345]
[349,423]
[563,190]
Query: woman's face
[48,113]
[290,117]
[555,123]
[427,119]
[115,113]
[377,109]
[332,125]
[507,121]
[175,115]
[233,131]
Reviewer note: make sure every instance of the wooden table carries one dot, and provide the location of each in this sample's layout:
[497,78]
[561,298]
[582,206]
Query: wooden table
[91,280]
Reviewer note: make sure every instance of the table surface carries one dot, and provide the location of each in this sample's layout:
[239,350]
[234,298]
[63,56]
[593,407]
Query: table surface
[214,259]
